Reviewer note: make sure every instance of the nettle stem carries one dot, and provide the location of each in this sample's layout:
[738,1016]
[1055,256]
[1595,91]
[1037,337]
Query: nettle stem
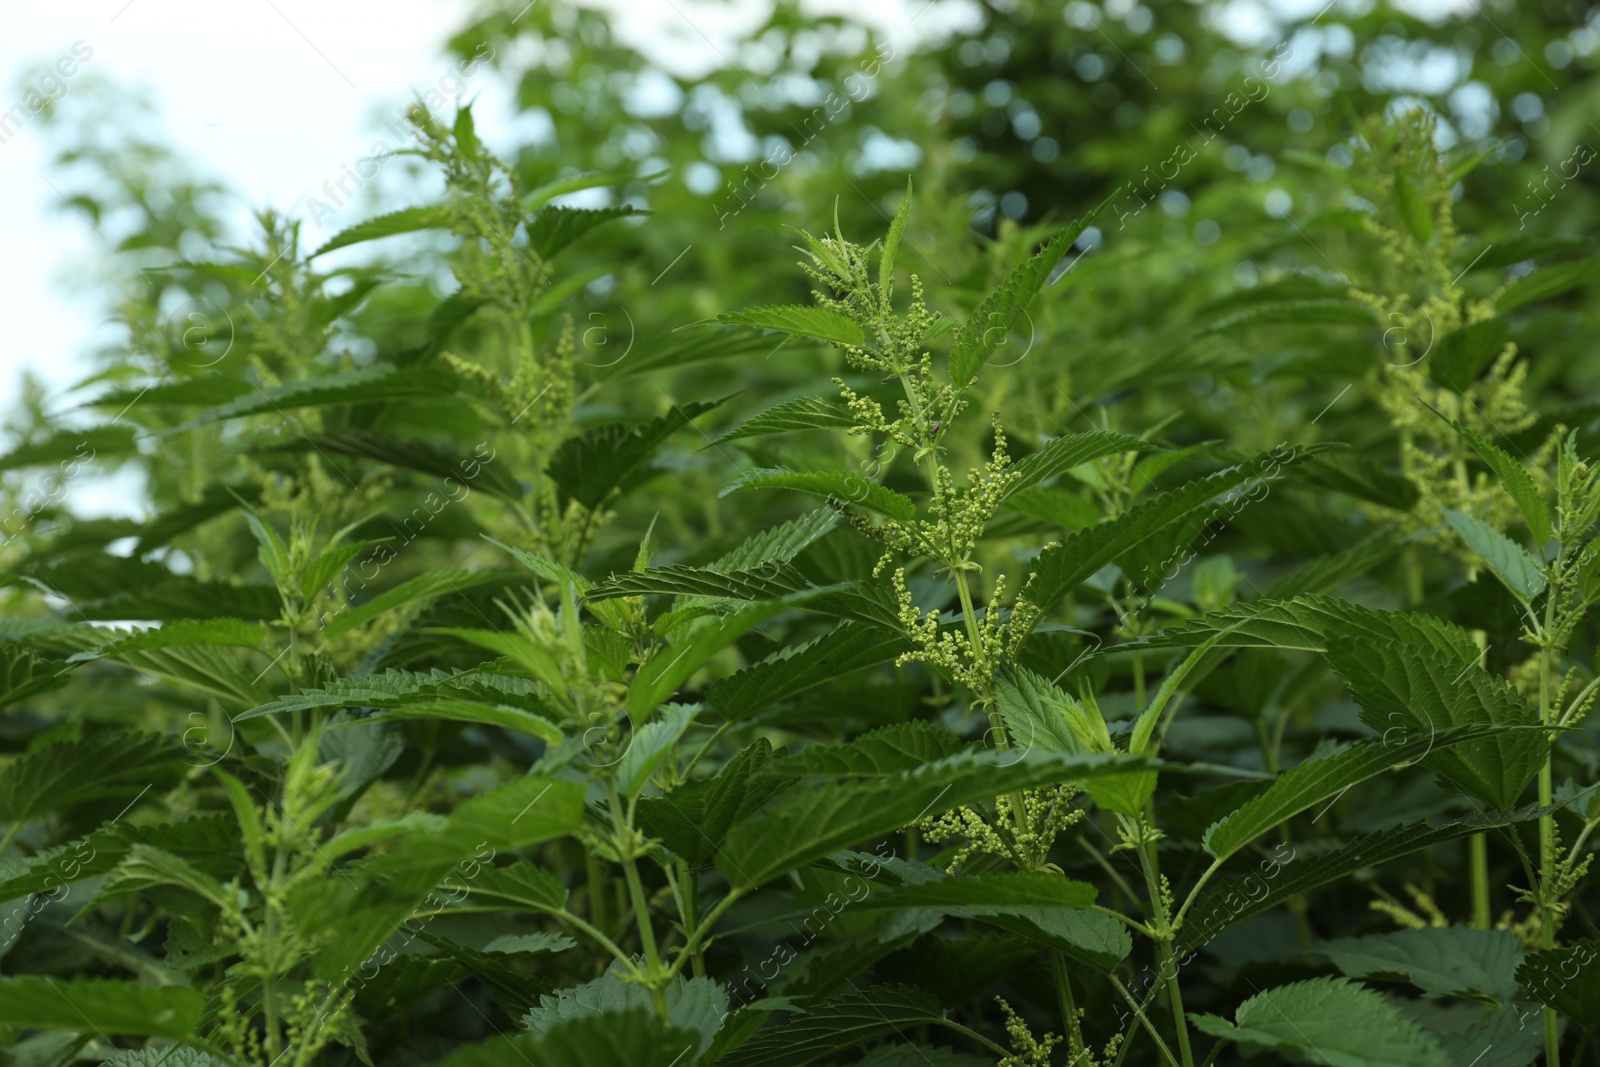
[1069,1007]
[654,971]
[1547,852]
[1165,959]
[1478,854]
[1549,867]
[1478,844]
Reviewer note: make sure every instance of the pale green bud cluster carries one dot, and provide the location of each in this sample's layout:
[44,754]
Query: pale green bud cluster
[1026,841]
[1026,1050]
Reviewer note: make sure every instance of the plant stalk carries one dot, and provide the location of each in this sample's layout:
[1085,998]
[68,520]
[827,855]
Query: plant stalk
[1069,1007]
[1164,957]
[1478,846]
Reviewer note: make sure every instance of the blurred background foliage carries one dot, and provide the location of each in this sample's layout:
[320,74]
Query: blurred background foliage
[1040,113]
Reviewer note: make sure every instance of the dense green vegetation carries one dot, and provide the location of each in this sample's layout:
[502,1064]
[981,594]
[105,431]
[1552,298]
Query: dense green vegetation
[1071,544]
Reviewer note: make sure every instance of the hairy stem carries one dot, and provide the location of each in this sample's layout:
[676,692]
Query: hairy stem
[1166,963]
[1478,846]
[641,905]
[1547,857]
[1069,1007]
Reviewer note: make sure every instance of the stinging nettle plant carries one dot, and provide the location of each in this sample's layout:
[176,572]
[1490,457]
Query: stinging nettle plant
[498,772]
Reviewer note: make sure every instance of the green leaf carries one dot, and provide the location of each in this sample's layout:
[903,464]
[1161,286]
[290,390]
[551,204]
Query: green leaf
[25,673]
[191,392]
[107,587]
[836,1026]
[865,602]
[271,550]
[248,816]
[524,812]
[1412,208]
[458,471]
[1515,477]
[529,944]
[635,1036]
[1061,454]
[891,245]
[799,320]
[649,746]
[695,1006]
[482,712]
[1309,623]
[1546,282]
[145,866]
[557,227]
[610,459]
[1362,477]
[845,487]
[1056,507]
[564,578]
[1323,778]
[697,347]
[1100,941]
[779,544]
[662,676]
[1316,311]
[1442,961]
[422,589]
[69,448]
[355,913]
[1327,573]
[361,837]
[480,696]
[813,822]
[466,134]
[374,384]
[516,887]
[1046,909]
[543,194]
[806,413]
[850,647]
[515,1048]
[1039,715]
[1139,738]
[1566,979]
[406,220]
[1459,357]
[1331,1021]
[919,1056]
[1509,561]
[50,870]
[104,764]
[888,750]
[174,1056]
[1000,312]
[513,990]
[93,1006]
[1409,692]
[1060,569]
[694,818]
[1222,907]
[984,894]
[231,633]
